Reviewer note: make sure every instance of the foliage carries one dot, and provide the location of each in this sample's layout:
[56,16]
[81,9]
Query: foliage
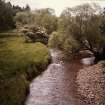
[27,8]
[7,13]
[63,41]
[55,40]
[85,24]
[23,18]
[35,34]
[88,19]
[41,17]
[19,62]
[63,38]
[47,19]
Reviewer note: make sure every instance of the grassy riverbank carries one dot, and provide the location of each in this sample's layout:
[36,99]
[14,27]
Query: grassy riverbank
[19,63]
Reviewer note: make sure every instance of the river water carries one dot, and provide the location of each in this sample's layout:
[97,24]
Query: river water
[56,86]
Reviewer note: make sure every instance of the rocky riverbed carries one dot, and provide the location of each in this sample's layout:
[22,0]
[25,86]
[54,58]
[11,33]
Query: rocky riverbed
[61,83]
[91,84]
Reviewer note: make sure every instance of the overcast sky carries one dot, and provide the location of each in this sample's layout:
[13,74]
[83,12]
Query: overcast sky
[58,5]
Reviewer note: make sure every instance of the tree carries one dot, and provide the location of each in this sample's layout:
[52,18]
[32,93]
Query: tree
[65,20]
[23,18]
[47,19]
[63,42]
[102,27]
[27,8]
[41,17]
[88,20]
[17,9]
[6,15]
[86,29]
[85,24]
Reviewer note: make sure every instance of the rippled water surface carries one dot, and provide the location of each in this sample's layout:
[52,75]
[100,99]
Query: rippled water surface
[56,86]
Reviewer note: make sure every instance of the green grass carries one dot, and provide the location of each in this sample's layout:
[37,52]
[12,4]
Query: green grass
[19,62]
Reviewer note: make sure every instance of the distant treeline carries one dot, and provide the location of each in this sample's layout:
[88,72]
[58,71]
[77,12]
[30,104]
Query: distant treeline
[7,13]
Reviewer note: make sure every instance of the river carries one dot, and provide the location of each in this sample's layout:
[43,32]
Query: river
[56,85]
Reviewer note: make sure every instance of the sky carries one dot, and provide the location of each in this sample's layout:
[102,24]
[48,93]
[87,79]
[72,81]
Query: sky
[57,5]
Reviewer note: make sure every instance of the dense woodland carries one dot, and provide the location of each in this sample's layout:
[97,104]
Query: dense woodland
[7,13]
[77,28]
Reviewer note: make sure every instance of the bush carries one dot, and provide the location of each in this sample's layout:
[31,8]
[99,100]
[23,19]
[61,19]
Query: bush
[63,41]
[35,34]
[55,40]
[19,62]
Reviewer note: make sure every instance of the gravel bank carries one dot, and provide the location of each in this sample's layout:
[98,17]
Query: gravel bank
[91,84]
